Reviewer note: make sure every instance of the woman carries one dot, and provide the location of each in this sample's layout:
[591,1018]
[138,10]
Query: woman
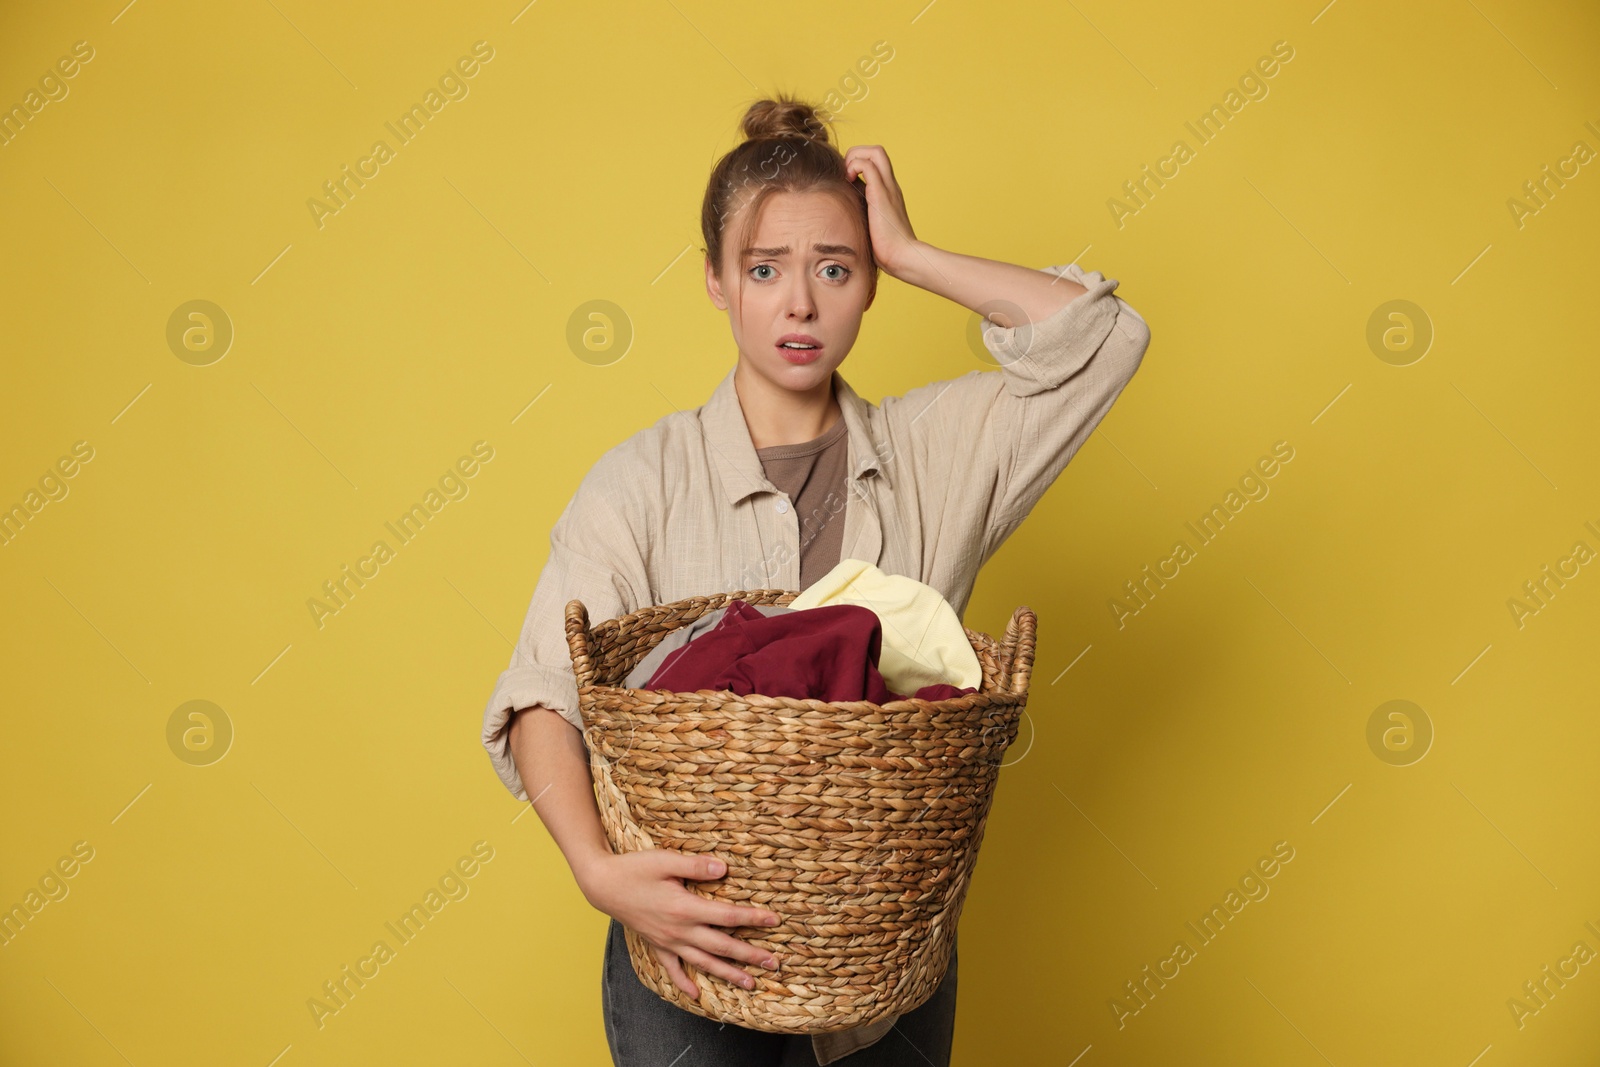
[779,475]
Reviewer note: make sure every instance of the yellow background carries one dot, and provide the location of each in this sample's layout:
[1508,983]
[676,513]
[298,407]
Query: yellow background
[369,354]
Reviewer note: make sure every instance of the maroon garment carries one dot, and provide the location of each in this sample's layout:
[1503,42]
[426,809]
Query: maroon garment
[823,653]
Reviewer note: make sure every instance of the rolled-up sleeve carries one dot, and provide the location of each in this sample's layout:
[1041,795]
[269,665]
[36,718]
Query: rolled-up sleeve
[998,441]
[594,557]
[1060,376]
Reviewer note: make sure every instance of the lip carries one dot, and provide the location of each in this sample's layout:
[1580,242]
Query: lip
[799,356]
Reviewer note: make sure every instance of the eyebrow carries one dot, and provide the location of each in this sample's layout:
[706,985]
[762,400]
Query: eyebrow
[783,250]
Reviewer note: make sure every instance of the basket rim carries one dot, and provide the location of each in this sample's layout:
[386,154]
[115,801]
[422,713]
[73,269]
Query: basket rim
[1012,653]
[701,697]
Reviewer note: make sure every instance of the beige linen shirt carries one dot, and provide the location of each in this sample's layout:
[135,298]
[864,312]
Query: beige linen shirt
[936,480]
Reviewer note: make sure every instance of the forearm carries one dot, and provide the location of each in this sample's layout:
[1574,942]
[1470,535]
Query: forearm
[986,285]
[554,766]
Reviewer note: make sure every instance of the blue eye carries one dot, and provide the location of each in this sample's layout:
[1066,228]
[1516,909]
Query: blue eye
[761,266]
[840,267]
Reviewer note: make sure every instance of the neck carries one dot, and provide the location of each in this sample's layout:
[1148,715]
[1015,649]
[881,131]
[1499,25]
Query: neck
[778,416]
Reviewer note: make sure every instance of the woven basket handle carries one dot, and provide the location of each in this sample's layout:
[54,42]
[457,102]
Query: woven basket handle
[578,642]
[1016,650]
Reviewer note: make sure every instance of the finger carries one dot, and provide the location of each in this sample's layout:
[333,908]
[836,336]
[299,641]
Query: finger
[713,913]
[883,199]
[694,868]
[877,154]
[675,971]
[887,187]
[719,967]
[886,203]
[857,162]
[718,943]
[868,171]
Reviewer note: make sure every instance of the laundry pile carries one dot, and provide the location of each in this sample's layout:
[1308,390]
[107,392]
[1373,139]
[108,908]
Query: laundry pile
[854,634]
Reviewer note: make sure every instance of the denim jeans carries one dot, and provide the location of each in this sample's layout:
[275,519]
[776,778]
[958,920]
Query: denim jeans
[645,1030]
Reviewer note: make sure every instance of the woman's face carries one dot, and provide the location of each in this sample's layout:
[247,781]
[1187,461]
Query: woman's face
[806,280]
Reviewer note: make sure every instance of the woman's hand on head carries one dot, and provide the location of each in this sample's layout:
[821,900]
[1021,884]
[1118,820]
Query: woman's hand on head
[645,891]
[887,222]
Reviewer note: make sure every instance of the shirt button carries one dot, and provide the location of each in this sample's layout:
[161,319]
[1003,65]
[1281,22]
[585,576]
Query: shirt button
[782,506]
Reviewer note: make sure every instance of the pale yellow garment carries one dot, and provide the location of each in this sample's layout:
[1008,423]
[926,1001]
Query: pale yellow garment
[923,641]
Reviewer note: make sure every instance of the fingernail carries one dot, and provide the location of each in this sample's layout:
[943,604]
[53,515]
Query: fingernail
[716,867]
[770,964]
[748,983]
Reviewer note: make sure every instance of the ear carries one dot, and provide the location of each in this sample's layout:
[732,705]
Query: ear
[871,295]
[714,287]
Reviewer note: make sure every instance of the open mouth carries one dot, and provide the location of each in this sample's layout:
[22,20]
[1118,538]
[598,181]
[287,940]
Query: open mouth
[799,349]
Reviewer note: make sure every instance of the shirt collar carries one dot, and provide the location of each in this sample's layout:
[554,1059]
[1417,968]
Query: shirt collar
[722,421]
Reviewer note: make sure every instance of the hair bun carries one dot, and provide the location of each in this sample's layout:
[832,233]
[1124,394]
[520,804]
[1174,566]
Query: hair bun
[785,117]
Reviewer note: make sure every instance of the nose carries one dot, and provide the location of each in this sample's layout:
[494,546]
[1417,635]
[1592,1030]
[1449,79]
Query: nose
[801,304]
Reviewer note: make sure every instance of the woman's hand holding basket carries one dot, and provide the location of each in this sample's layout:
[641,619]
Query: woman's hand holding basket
[645,891]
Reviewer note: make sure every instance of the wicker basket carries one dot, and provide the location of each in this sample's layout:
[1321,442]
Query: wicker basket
[858,824]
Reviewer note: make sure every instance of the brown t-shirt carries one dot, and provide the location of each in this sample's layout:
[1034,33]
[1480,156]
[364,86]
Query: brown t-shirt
[812,474]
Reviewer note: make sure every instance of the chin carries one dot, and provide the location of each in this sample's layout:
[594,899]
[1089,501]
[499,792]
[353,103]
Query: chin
[802,376]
